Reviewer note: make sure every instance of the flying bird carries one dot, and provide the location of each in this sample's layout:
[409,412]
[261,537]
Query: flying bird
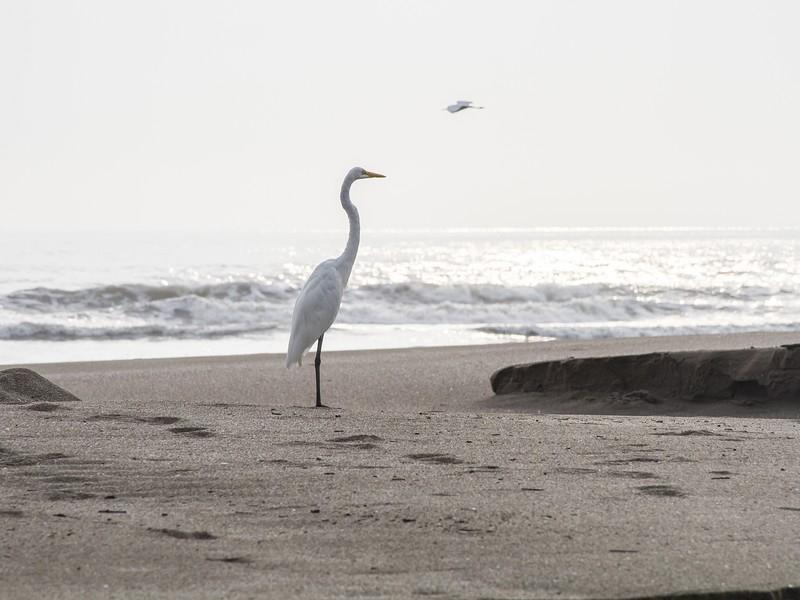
[319,300]
[461,105]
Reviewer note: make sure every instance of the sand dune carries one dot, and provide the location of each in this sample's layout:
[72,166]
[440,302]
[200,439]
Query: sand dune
[23,386]
[745,383]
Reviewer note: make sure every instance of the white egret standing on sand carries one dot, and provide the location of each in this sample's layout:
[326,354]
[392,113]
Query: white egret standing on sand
[461,105]
[319,300]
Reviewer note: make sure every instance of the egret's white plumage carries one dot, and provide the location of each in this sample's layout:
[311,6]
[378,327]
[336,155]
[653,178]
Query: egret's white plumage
[318,303]
[461,105]
[315,309]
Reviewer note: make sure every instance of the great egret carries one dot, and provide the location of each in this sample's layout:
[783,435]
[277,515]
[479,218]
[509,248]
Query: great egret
[318,303]
[461,105]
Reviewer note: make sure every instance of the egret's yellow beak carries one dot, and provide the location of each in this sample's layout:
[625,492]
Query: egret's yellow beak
[371,174]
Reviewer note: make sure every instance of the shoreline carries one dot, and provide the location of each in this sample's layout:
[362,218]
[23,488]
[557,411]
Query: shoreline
[670,342]
[395,380]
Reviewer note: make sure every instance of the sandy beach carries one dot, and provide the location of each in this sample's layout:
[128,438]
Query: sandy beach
[213,477]
[548,253]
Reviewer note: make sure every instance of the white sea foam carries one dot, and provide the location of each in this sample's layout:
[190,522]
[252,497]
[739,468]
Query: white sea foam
[136,311]
[503,285]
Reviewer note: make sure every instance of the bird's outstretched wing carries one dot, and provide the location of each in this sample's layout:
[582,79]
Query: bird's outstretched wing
[315,310]
[461,105]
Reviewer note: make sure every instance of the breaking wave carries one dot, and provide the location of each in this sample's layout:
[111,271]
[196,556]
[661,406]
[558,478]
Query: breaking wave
[241,308]
[115,296]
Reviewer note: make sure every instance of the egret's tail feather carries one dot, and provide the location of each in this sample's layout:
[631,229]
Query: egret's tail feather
[294,354]
[290,360]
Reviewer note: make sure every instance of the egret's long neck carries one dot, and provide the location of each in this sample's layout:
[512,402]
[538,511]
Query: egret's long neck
[348,257]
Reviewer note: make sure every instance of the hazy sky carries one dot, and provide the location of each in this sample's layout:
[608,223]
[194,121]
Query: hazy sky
[248,114]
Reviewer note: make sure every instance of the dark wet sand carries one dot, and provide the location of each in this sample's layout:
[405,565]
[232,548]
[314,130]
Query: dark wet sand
[210,478]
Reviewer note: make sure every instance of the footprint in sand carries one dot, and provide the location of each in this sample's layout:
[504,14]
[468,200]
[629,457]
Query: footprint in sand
[632,459]
[574,470]
[11,458]
[357,438]
[661,490]
[687,432]
[360,441]
[231,559]
[184,535]
[122,418]
[200,432]
[633,474]
[69,495]
[435,458]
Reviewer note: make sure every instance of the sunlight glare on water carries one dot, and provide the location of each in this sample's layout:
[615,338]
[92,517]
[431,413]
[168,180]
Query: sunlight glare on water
[106,295]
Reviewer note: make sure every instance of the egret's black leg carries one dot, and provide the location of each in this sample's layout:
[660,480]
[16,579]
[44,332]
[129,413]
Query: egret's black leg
[317,363]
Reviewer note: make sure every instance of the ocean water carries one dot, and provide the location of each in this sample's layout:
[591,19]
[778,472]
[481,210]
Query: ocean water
[90,296]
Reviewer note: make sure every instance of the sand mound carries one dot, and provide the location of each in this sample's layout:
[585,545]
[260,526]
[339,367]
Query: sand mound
[751,377]
[23,386]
